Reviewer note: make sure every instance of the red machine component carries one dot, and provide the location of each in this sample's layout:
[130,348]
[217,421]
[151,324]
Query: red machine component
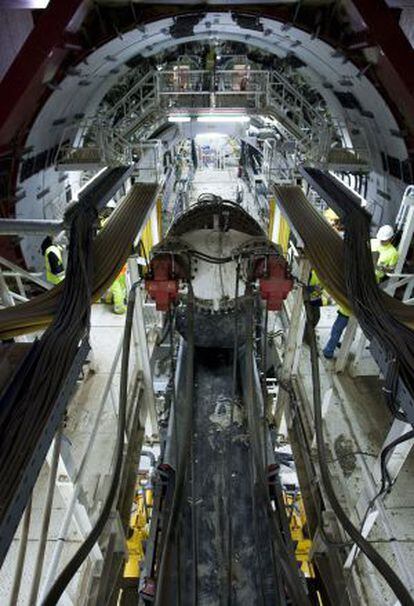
[162,286]
[275,281]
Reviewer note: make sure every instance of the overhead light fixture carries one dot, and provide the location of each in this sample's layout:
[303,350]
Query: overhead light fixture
[24,4]
[220,119]
[178,119]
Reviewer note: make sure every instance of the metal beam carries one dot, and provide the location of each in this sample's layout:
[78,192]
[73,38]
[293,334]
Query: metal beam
[25,274]
[11,227]
[35,65]
[394,67]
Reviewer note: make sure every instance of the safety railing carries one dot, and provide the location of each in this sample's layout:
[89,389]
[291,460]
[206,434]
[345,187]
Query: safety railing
[249,91]
[12,278]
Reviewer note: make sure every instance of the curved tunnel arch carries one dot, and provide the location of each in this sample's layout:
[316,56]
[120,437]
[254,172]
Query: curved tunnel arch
[324,69]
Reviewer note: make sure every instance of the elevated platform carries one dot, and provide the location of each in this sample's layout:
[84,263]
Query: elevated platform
[80,158]
[343,159]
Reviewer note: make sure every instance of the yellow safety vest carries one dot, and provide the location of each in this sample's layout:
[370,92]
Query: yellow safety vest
[51,277]
[315,287]
[387,260]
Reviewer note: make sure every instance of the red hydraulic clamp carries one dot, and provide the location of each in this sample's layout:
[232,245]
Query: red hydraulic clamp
[162,286]
[274,279]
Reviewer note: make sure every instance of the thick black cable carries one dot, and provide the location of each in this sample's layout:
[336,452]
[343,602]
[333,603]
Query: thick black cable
[396,339]
[287,559]
[182,455]
[376,559]
[74,564]
[230,462]
[385,477]
[166,330]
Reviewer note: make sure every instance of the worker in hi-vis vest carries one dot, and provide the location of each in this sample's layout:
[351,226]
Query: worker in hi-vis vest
[55,272]
[117,292]
[387,253]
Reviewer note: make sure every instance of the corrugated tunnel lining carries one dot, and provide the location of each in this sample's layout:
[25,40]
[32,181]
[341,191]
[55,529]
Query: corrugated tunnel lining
[325,250]
[112,247]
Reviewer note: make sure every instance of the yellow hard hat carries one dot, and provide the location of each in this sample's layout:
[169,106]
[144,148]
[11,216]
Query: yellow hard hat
[330,215]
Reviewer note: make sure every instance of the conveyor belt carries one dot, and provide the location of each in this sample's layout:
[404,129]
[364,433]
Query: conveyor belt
[325,250]
[110,251]
[207,507]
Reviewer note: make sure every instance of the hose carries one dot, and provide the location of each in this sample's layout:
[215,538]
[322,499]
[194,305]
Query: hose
[287,560]
[385,477]
[31,395]
[376,559]
[326,251]
[75,563]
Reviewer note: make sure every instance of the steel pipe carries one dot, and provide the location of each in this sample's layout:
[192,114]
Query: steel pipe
[13,227]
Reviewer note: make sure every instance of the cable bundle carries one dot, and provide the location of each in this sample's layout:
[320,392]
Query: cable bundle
[29,399]
[369,306]
[325,250]
[27,404]
[111,249]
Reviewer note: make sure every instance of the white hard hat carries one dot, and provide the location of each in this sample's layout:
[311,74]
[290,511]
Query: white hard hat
[385,233]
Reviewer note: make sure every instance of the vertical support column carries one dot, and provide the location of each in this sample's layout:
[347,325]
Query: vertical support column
[294,339]
[46,517]
[142,350]
[154,225]
[14,596]
[349,336]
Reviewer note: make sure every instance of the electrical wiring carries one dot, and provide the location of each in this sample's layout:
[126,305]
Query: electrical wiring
[376,321]
[111,249]
[31,395]
[376,559]
[285,556]
[182,456]
[326,251]
[74,564]
[386,481]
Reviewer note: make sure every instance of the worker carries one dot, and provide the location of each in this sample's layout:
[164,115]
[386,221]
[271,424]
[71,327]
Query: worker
[387,253]
[337,330]
[55,272]
[315,291]
[334,221]
[116,293]
[178,171]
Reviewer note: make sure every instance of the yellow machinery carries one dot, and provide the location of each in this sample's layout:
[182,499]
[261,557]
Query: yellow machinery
[297,522]
[139,527]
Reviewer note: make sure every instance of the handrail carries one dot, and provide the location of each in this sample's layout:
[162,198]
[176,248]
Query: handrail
[149,76]
[25,274]
[77,480]
[161,90]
